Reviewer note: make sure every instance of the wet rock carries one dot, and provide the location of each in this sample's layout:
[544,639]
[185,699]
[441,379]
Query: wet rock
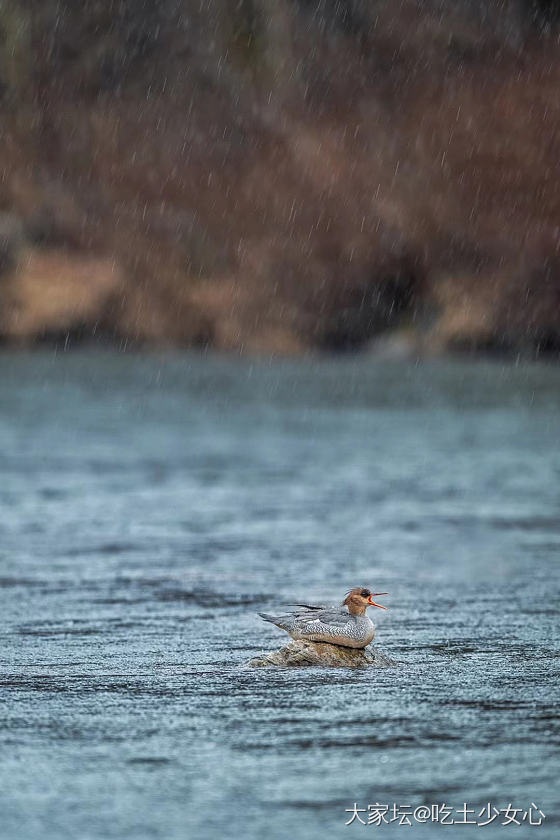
[304,653]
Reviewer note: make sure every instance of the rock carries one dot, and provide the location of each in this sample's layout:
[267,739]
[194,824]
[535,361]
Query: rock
[303,653]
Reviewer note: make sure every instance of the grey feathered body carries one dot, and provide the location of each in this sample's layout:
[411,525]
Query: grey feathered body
[334,625]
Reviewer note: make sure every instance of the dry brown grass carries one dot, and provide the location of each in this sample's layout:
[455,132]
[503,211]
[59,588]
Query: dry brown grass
[408,176]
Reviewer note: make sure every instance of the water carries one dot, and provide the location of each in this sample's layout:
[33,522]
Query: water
[150,506]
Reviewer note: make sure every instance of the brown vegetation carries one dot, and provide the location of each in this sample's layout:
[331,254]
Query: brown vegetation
[281,176]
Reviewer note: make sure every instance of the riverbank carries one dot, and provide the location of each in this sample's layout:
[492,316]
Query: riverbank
[301,182]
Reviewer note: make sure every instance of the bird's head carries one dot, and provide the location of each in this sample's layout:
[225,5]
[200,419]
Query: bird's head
[360,598]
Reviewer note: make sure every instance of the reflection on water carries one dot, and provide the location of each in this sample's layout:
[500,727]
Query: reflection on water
[151,506]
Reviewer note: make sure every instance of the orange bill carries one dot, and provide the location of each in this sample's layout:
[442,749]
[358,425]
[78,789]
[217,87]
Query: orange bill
[373,603]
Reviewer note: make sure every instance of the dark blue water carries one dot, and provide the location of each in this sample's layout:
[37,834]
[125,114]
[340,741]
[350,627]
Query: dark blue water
[150,506]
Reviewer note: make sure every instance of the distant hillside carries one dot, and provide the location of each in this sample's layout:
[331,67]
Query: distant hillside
[281,176]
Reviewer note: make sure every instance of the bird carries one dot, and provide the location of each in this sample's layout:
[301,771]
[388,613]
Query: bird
[346,625]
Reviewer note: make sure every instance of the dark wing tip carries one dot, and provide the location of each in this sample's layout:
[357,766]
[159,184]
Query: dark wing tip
[306,606]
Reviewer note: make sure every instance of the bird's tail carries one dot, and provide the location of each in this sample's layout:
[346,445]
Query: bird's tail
[272,618]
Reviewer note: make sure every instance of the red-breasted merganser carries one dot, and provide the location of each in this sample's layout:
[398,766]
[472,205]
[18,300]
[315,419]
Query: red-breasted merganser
[347,625]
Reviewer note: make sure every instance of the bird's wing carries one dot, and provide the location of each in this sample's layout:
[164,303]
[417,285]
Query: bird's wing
[316,621]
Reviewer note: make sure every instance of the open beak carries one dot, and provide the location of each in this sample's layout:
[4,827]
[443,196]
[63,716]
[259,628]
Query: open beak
[373,603]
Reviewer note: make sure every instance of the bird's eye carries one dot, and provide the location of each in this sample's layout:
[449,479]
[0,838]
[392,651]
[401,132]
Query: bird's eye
[365,593]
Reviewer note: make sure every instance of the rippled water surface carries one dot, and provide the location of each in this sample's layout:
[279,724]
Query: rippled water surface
[150,506]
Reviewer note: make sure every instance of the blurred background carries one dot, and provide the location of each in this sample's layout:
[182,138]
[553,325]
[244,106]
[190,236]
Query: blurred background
[279,316]
[280,176]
